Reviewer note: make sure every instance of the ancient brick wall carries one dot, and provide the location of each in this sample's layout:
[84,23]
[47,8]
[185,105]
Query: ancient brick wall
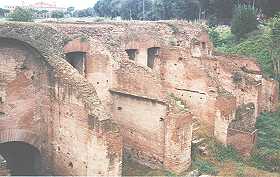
[24,96]
[82,144]
[46,103]
[142,127]
[116,85]
[268,101]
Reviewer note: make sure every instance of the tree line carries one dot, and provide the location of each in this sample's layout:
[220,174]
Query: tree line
[216,11]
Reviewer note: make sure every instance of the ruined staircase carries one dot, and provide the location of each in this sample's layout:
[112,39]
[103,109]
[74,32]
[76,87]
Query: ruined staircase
[198,141]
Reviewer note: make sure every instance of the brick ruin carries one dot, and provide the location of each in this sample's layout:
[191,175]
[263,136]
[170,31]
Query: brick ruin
[87,96]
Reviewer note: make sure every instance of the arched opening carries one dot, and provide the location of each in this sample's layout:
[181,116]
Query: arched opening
[21,159]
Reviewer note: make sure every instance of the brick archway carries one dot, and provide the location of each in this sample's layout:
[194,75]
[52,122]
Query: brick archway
[50,44]
[20,135]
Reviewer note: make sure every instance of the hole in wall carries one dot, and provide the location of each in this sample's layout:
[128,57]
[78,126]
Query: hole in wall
[2,114]
[77,60]
[97,83]
[203,45]
[70,164]
[132,54]
[161,119]
[153,53]
[119,108]
[1,100]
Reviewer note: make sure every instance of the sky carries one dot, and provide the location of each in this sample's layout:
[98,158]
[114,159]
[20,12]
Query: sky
[78,4]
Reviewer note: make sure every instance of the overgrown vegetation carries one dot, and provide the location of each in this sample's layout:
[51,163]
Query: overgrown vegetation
[205,167]
[262,44]
[266,155]
[21,14]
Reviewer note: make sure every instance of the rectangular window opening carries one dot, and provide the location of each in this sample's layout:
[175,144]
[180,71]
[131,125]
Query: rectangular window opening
[203,44]
[132,54]
[153,53]
[77,60]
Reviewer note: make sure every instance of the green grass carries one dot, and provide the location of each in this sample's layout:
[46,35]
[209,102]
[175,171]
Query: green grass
[256,44]
[266,155]
[132,168]
[223,153]
[205,167]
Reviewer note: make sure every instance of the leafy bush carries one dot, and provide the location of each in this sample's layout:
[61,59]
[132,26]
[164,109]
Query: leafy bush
[257,47]
[221,37]
[21,14]
[223,153]
[205,167]
[240,170]
[57,14]
[266,155]
[244,20]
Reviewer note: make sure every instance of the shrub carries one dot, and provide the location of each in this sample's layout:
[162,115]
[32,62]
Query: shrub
[205,167]
[21,14]
[223,153]
[57,14]
[240,170]
[244,20]
[266,156]
[221,36]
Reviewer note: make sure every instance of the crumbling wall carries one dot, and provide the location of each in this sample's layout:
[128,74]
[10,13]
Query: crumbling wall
[268,101]
[131,90]
[187,79]
[83,145]
[24,103]
[225,113]
[178,136]
[68,114]
[142,126]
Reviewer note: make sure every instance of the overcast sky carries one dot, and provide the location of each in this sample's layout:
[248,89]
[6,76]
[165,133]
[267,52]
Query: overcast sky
[79,4]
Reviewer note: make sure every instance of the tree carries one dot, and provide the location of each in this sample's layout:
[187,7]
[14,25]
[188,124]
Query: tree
[221,11]
[274,25]
[57,14]
[3,12]
[70,11]
[21,14]
[269,7]
[89,12]
[244,20]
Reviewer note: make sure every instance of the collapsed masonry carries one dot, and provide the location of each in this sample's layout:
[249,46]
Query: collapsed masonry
[87,95]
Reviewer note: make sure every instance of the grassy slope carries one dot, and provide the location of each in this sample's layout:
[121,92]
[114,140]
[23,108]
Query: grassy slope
[257,45]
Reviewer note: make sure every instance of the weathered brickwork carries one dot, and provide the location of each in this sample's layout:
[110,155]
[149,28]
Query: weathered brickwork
[89,95]
[42,105]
